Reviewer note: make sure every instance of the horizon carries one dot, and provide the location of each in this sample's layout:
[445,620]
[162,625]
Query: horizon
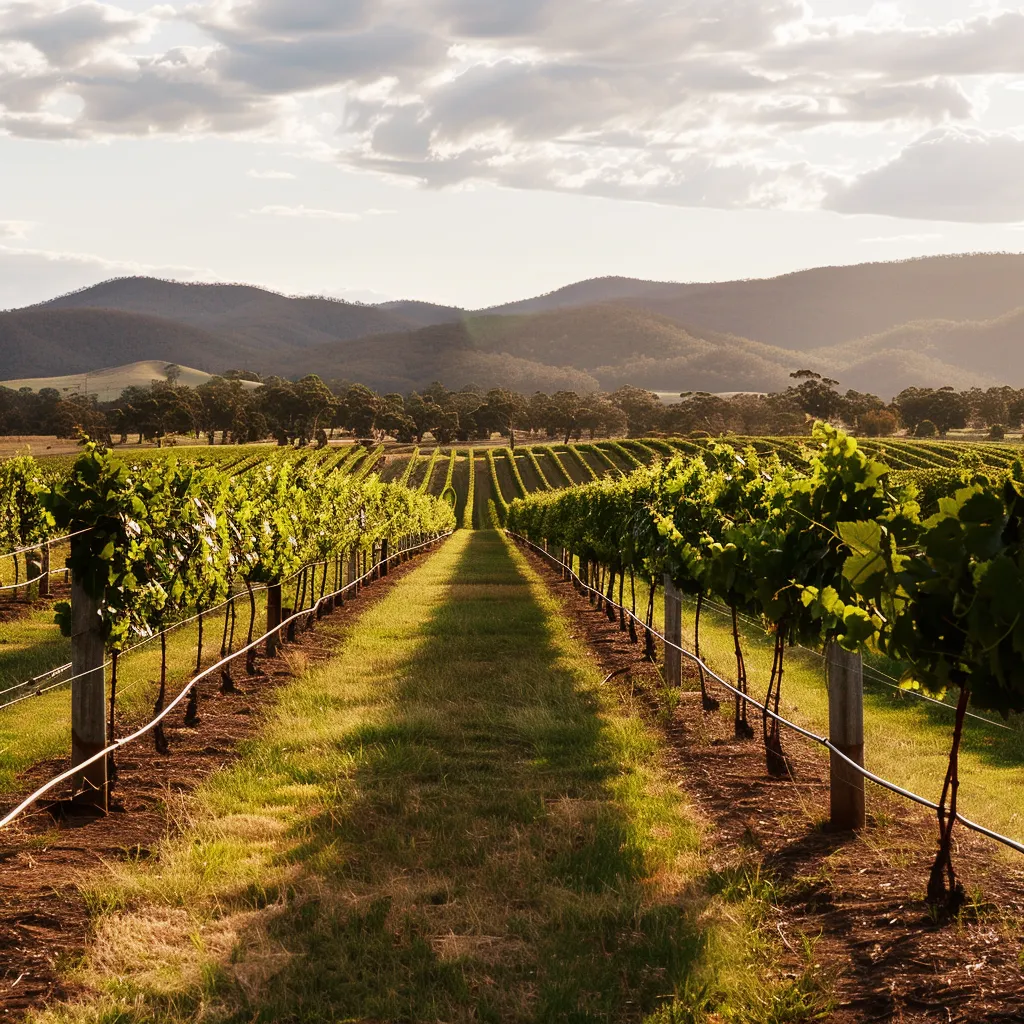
[509,301]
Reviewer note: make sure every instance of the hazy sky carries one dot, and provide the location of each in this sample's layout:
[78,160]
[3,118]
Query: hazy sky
[475,151]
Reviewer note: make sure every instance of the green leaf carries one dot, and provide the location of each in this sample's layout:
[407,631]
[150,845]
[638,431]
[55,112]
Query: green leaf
[867,560]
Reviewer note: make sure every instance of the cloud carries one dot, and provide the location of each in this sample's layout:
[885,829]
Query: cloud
[305,213]
[691,102]
[15,228]
[927,236]
[69,35]
[954,174]
[270,175]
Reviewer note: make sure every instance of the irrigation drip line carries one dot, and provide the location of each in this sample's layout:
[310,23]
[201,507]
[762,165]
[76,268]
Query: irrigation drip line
[876,674]
[199,677]
[806,733]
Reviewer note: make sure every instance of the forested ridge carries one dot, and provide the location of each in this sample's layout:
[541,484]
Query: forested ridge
[882,327]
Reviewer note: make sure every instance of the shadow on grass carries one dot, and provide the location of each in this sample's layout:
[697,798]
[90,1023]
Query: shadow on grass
[488,856]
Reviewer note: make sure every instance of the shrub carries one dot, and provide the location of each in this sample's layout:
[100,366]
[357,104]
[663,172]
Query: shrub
[926,429]
[877,423]
[997,432]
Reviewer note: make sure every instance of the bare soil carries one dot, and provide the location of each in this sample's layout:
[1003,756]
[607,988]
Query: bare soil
[859,899]
[45,856]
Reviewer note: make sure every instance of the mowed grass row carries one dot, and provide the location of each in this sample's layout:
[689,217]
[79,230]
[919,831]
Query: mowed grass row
[906,740]
[452,820]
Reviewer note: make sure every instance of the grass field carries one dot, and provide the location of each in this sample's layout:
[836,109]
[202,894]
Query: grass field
[450,820]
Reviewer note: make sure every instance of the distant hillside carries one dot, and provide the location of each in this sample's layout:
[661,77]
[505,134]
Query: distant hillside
[443,352]
[423,314]
[583,293]
[42,342]
[108,383]
[876,327]
[253,318]
[963,354]
[814,308]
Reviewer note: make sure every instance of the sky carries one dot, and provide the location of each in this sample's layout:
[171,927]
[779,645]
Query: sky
[471,152]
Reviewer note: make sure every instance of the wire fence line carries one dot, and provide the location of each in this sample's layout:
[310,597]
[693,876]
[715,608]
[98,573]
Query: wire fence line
[892,787]
[145,642]
[194,681]
[49,542]
[34,579]
[876,674]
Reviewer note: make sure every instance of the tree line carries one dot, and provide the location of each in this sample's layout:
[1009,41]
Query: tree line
[239,407]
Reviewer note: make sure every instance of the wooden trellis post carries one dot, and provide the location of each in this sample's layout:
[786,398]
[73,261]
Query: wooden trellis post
[88,691]
[273,618]
[846,731]
[673,634]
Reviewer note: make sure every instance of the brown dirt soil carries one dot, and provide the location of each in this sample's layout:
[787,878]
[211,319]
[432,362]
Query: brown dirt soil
[19,608]
[44,921]
[859,899]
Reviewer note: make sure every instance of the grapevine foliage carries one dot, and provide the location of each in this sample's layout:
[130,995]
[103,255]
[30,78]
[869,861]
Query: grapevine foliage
[166,537]
[834,549]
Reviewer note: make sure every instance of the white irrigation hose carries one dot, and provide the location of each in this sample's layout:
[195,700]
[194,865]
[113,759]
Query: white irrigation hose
[195,680]
[824,741]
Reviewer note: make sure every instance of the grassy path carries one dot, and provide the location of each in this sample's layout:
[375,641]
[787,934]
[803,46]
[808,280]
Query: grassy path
[451,820]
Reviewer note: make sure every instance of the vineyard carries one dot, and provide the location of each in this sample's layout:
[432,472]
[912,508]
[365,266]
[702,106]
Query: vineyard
[443,802]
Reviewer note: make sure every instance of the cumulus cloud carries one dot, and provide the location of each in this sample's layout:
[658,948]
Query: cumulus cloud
[706,102]
[954,174]
[68,35]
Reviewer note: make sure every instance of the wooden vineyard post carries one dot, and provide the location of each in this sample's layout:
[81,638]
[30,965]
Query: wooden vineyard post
[88,706]
[673,634]
[44,566]
[353,571]
[384,558]
[846,731]
[273,618]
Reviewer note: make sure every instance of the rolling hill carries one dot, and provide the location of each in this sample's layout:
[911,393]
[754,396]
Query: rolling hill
[809,309]
[108,383]
[254,318]
[876,327]
[42,342]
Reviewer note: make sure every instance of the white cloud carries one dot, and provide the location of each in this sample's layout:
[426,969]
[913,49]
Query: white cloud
[688,102]
[305,212]
[927,236]
[271,175]
[953,174]
[15,228]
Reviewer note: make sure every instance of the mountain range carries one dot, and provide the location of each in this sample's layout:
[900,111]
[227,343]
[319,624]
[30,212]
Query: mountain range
[876,327]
